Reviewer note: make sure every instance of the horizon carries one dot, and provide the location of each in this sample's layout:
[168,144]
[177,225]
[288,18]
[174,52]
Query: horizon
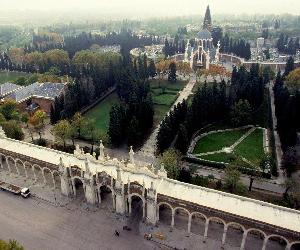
[140,8]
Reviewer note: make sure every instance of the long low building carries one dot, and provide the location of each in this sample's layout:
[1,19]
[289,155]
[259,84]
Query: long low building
[127,179]
[34,96]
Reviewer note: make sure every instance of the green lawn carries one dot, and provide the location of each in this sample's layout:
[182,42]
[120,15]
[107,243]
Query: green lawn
[157,84]
[164,99]
[10,76]
[100,113]
[220,157]
[252,147]
[164,94]
[217,141]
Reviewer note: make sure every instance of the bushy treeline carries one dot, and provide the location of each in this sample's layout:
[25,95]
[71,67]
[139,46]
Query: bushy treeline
[240,47]
[132,118]
[288,45]
[213,103]
[287,108]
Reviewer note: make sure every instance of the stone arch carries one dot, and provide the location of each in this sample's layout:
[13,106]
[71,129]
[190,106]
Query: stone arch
[29,170]
[48,176]
[234,235]
[276,242]
[20,169]
[254,239]
[181,218]
[216,228]
[106,196]
[10,161]
[295,245]
[198,221]
[135,206]
[164,212]
[78,187]
[3,163]
[38,173]
[56,179]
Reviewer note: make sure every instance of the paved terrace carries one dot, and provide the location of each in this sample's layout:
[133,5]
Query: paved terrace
[241,206]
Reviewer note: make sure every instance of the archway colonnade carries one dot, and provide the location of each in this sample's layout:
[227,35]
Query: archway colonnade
[29,170]
[271,241]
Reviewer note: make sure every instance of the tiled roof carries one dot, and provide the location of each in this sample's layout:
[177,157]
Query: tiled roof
[44,90]
[8,87]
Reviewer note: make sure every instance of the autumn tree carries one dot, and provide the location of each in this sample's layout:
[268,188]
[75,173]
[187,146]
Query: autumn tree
[38,121]
[62,131]
[170,160]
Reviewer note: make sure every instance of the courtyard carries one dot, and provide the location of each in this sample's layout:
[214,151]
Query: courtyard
[244,146]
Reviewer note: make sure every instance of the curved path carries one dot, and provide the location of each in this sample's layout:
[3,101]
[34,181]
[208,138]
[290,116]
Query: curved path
[148,150]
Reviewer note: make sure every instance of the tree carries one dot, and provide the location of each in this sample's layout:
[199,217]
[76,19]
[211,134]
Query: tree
[62,131]
[293,80]
[10,245]
[289,160]
[9,110]
[232,180]
[152,69]
[172,72]
[38,121]
[182,141]
[170,159]
[241,113]
[13,130]
[78,122]
[290,66]
[116,124]
[92,132]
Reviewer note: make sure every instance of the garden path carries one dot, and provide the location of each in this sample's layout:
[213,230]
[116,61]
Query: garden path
[149,147]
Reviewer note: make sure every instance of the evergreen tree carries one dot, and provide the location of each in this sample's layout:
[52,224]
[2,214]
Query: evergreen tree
[172,72]
[116,125]
[152,69]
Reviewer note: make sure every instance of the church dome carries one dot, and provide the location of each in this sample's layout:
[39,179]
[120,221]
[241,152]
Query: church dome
[204,34]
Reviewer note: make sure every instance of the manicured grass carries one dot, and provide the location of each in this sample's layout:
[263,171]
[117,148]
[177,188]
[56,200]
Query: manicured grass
[178,85]
[159,112]
[164,94]
[252,147]
[164,99]
[217,141]
[100,113]
[220,157]
[10,76]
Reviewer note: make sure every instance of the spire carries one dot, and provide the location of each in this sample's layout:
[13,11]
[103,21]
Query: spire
[207,24]
[101,147]
[131,154]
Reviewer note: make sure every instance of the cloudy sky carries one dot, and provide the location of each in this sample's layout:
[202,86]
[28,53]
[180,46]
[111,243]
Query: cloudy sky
[160,7]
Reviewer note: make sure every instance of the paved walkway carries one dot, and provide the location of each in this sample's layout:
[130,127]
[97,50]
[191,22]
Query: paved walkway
[149,147]
[281,175]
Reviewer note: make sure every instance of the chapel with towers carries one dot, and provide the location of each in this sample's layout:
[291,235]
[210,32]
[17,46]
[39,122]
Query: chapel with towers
[203,52]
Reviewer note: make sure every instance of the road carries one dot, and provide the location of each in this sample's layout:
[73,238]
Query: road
[39,225]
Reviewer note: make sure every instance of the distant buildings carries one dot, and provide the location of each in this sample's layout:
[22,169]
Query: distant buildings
[202,53]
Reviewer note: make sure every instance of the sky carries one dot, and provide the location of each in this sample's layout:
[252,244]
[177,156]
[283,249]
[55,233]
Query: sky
[159,7]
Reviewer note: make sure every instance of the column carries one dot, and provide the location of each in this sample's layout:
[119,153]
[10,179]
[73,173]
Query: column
[53,180]
[224,235]
[120,201]
[129,204]
[44,177]
[34,174]
[1,161]
[244,240]
[206,230]
[9,169]
[173,219]
[189,223]
[16,166]
[90,194]
[25,169]
[265,244]
[151,205]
